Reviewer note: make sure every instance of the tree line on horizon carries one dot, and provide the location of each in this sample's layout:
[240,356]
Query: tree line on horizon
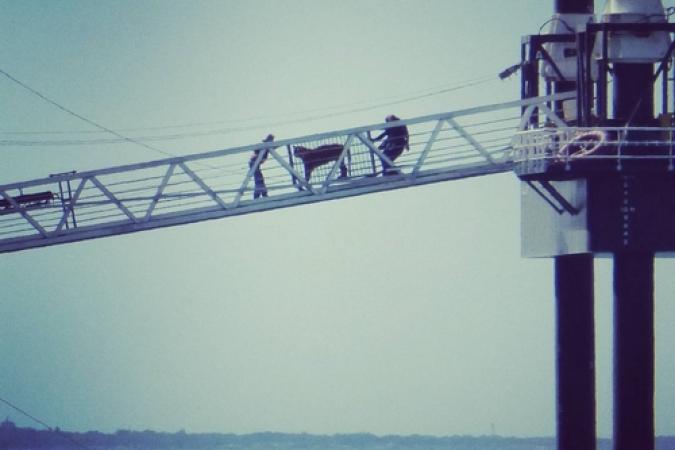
[12,437]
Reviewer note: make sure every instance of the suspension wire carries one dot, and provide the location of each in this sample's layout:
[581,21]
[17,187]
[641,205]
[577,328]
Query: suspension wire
[35,419]
[74,114]
[27,143]
[450,86]
[177,136]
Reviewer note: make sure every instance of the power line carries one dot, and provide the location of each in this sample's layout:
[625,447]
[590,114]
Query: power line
[74,114]
[222,131]
[447,87]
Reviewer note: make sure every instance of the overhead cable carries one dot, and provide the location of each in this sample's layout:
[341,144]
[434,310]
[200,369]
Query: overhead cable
[84,119]
[415,94]
[224,131]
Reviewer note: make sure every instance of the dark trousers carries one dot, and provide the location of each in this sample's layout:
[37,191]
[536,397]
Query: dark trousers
[260,189]
[392,150]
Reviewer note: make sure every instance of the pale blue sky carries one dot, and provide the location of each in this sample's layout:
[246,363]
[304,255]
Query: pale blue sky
[402,312]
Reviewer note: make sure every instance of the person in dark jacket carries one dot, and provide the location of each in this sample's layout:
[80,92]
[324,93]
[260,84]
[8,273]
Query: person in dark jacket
[260,189]
[392,147]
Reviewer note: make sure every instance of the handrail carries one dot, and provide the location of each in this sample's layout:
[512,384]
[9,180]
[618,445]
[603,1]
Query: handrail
[134,197]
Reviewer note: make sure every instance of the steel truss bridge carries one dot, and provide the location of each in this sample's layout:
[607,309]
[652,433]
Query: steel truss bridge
[117,200]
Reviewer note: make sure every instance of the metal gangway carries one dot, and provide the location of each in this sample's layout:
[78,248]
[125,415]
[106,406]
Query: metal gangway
[77,206]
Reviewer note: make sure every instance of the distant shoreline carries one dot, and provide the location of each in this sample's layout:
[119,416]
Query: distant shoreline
[13,437]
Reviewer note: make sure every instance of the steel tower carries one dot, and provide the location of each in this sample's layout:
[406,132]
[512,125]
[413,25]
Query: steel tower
[601,184]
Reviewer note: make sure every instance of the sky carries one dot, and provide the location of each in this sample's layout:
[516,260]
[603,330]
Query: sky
[401,312]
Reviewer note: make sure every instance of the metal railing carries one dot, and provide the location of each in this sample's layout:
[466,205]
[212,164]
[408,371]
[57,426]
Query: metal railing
[173,191]
[553,145]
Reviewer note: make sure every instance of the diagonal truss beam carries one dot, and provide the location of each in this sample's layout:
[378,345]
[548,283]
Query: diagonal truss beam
[21,210]
[202,185]
[113,199]
[292,171]
[247,179]
[470,139]
[160,190]
[427,147]
[338,163]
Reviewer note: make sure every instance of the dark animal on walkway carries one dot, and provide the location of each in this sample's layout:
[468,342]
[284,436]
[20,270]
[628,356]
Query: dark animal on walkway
[315,157]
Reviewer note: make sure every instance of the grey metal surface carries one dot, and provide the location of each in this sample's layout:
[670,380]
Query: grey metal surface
[174,191]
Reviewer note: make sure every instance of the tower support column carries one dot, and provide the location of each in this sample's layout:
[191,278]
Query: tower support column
[575,352]
[634,351]
[574,322]
[634,278]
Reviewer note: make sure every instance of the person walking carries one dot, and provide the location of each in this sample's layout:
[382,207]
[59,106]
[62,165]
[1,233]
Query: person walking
[260,189]
[392,147]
